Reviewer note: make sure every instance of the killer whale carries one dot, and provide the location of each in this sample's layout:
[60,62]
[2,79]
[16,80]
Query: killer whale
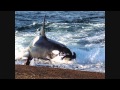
[47,49]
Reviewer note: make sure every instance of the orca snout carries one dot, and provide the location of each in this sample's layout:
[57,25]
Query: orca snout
[70,57]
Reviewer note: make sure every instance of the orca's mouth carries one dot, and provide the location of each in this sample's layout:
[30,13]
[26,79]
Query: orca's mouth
[69,57]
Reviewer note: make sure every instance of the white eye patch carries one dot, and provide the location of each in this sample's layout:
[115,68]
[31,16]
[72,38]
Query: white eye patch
[55,52]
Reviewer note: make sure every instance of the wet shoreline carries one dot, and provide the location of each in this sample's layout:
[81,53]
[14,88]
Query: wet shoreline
[33,72]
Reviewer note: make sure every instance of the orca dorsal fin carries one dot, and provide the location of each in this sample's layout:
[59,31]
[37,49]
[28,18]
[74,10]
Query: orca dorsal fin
[42,31]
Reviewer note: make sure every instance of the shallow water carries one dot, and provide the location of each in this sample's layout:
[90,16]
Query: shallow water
[81,31]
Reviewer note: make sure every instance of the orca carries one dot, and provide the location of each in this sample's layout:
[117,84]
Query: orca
[47,49]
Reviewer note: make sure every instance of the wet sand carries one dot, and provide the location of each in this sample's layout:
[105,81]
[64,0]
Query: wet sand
[33,72]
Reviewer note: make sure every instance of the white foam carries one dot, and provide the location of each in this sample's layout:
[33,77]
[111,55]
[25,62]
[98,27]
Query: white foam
[32,62]
[34,23]
[25,58]
[90,57]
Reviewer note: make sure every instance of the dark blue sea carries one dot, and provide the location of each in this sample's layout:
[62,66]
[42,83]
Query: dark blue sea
[82,32]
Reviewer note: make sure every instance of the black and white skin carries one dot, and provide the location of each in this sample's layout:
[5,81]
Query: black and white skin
[44,48]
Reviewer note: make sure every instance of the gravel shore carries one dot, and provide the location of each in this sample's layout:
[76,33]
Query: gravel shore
[33,72]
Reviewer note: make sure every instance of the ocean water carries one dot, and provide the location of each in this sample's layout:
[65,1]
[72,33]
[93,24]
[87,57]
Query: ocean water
[82,32]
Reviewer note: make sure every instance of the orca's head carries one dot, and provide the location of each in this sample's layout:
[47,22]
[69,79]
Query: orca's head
[68,56]
[63,57]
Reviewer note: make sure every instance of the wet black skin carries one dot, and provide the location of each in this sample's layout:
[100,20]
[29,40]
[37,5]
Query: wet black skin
[45,46]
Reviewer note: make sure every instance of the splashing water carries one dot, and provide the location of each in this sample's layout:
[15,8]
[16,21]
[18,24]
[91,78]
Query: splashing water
[82,33]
